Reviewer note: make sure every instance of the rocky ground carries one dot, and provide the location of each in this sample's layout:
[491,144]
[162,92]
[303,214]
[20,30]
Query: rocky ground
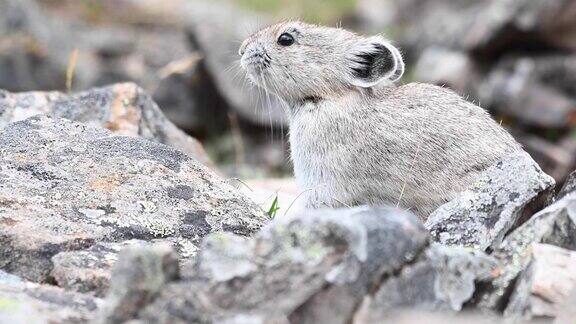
[110,213]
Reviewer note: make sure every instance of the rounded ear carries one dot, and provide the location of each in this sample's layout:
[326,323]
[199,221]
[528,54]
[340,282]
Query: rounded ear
[374,60]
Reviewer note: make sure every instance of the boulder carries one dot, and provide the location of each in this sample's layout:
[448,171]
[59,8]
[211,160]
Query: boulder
[555,225]
[66,186]
[556,159]
[444,67]
[517,87]
[486,28]
[545,284]
[443,279]
[568,187]
[30,58]
[293,262]
[323,266]
[137,278]
[26,302]
[89,270]
[567,311]
[504,195]
[217,30]
[123,108]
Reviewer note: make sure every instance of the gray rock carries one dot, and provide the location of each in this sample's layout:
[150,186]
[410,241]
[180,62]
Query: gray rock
[137,278]
[9,279]
[486,28]
[37,47]
[568,187]
[557,158]
[518,88]
[444,67]
[217,29]
[123,108]
[32,303]
[66,186]
[442,279]
[480,216]
[292,263]
[324,266]
[567,311]
[545,284]
[88,271]
[555,225]
[413,317]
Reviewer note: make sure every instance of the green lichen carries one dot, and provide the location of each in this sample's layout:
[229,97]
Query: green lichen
[8,305]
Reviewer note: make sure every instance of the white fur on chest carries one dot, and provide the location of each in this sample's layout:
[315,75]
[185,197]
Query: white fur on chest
[321,138]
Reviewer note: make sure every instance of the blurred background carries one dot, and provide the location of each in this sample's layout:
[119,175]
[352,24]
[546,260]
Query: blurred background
[516,58]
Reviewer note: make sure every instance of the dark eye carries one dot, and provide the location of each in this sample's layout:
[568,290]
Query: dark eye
[285,39]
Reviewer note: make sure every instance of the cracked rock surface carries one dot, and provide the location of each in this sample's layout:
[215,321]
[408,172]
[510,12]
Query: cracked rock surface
[326,266]
[66,186]
[555,225]
[480,216]
[123,108]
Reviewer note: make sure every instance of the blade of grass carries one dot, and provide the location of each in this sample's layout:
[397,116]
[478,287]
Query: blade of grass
[274,207]
[71,69]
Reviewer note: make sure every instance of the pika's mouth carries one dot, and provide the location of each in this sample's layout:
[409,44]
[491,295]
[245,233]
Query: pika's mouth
[255,62]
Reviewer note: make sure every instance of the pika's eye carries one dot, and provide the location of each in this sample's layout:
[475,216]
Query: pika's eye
[285,39]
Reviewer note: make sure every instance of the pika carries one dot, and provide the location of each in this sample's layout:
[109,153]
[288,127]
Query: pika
[357,138]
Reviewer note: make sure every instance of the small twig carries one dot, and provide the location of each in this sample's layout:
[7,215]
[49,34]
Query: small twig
[293,201]
[237,139]
[342,203]
[242,182]
[409,172]
[71,69]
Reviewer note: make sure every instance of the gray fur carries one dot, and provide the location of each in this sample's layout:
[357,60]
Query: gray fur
[364,140]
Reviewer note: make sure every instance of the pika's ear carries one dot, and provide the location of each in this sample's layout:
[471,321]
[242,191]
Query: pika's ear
[374,60]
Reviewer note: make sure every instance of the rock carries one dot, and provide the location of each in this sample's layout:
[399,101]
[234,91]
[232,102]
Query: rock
[412,317]
[137,278]
[449,68]
[443,279]
[292,262]
[188,97]
[556,159]
[299,259]
[505,193]
[541,21]
[555,225]
[514,88]
[487,28]
[567,312]
[323,266]
[67,186]
[88,271]
[123,108]
[569,186]
[544,285]
[217,29]
[27,302]
[37,44]
[28,59]
[9,279]
[376,15]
